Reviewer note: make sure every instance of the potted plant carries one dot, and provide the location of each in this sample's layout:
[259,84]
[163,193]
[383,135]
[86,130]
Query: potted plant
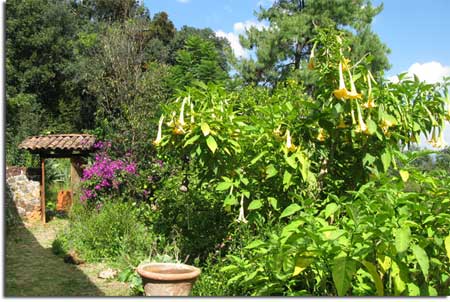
[167,279]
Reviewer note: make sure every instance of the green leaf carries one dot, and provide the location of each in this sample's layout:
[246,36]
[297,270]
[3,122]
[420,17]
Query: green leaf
[398,274]
[212,145]
[372,270]
[222,186]
[371,126]
[404,175]
[258,157]
[191,140]
[271,171]
[273,202]
[255,244]
[205,129]
[291,161]
[343,270]
[422,258]
[386,160]
[447,246]
[413,290]
[230,200]
[293,208]
[301,263]
[330,209]
[287,179]
[255,204]
[402,238]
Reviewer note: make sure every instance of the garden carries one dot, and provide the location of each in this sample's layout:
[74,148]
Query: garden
[275,179]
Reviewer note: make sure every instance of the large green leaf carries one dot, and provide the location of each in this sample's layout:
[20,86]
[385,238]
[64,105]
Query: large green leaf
[301,263]
[402,238]
[255,204]
[212,144]
[372,270]
[386,160]
[447,245]
[271,171]
[293,208]
[422,258]
[343,270]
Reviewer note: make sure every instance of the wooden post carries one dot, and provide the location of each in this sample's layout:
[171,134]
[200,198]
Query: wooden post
[43,189]
[76,173]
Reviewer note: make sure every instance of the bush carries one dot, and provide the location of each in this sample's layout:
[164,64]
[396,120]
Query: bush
[110,233]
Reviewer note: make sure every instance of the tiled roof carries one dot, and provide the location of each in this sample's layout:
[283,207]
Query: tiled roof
[58,142]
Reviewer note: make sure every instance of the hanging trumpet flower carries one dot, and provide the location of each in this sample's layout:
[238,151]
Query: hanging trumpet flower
[289,145]
[385,125]
[311,58]
[362,127]
[158,139]
[370,101]
[438,142]
[192,114]
[342,92]
[179,125]
[353,94]
[321,135]
[341,124]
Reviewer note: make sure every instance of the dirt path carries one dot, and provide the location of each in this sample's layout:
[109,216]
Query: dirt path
[32,269]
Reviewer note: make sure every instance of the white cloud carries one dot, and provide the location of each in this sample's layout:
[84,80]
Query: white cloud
[233,38]
[183,1]
[430,72]
[239,28]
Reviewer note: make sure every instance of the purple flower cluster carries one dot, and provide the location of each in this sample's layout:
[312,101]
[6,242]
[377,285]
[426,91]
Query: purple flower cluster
[105,172]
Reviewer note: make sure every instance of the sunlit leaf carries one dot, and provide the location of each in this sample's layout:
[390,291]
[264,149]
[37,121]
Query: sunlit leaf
[212,144]
[255,204]
[372,270]
[302,263]
[205,129]
[402,238]
[292,209]
[422,258]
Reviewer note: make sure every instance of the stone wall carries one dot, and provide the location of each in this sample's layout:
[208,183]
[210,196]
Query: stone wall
[24,188]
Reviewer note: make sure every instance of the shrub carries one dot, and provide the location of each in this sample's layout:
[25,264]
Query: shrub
[113,231]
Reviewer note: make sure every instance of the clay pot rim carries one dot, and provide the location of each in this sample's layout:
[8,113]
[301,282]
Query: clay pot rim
[193,274]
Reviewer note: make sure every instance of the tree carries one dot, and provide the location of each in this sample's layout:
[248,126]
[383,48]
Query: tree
[109,10]
[198,61]
[38,52]
[127,86]
[285,45]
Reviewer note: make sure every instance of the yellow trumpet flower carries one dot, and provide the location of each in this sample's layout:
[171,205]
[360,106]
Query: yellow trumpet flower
[158,139]
[181,118]
[311,58]
[385,125]
[362,127]
[342,92]
[341,124]
[322,135]
[353,94]
[439,142]
[289,145]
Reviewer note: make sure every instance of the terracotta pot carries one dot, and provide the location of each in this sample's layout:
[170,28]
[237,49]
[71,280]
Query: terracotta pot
[167,279]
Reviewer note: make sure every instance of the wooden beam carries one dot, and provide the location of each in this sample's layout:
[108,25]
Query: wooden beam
[75,176]
[43,189]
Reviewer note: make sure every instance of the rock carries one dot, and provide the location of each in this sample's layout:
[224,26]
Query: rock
[73,258]
[107,274]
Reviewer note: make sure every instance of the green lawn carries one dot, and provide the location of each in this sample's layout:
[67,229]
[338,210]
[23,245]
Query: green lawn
[32,269]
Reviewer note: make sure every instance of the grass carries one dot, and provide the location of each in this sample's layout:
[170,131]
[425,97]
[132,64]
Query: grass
[32,270]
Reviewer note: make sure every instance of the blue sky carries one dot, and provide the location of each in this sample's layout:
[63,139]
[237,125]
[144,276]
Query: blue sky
[417,31]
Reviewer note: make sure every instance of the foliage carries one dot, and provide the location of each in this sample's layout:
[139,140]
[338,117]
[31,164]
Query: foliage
[111,233]
[283,47]
[289,159]
[197,61]
[386,238]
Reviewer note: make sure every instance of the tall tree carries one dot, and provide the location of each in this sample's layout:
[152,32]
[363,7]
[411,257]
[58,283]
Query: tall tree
[197,61]
[38,52]
[109,10]
[286,43]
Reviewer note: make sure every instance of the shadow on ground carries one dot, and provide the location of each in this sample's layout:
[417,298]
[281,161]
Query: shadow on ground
[32,270]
